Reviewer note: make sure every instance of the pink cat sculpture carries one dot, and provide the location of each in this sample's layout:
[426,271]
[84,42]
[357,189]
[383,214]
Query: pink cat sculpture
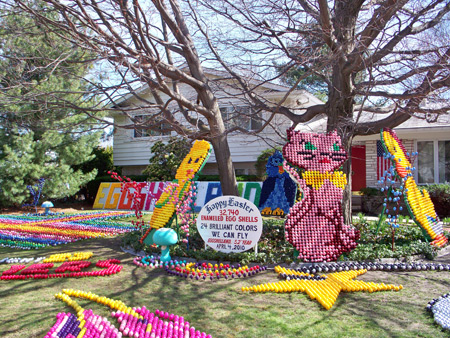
[315,225]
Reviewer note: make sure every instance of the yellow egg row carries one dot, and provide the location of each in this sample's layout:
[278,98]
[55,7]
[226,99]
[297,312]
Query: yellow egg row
[62,257]
[316,178]
[420,205]
[278,269]
[78,309]
[113,304]
[395,149]
[44,230]
[81,256]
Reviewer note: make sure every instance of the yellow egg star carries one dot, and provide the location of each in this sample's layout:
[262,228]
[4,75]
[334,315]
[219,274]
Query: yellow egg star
[327,290]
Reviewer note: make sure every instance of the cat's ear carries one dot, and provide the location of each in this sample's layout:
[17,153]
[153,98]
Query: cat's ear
[333,133]
[290,132]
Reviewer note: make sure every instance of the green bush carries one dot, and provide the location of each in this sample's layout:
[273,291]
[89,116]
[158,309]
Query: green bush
[166,158]
[274,249]
[368,191]
[208,178]
[408,240]
[373,251]
[439,194]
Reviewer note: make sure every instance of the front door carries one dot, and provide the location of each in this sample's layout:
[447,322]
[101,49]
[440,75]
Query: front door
[358,167]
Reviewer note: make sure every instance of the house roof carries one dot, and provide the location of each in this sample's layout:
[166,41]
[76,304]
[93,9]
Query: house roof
[214,74]
[415,127]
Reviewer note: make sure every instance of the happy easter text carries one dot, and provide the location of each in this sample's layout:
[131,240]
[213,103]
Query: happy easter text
[230,203]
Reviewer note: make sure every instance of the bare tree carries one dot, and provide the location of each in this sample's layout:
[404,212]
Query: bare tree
[381,62]
[386,58]
[147,45]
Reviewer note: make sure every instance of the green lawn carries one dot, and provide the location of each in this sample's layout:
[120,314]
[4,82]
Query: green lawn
[28,308]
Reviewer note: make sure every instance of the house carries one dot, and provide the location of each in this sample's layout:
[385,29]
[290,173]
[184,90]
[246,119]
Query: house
[132,146]
[430,139]
[132,149]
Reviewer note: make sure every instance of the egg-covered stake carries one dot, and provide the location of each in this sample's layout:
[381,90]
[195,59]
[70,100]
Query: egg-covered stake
[170,199]
[418,202]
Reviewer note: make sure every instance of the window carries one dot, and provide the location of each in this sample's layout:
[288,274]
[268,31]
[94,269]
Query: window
[240,117]
[239,172]
[444,161]
[425,162]
[433,162]
[147,132]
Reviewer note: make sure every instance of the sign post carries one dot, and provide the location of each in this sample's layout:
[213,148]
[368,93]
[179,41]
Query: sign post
[230,224]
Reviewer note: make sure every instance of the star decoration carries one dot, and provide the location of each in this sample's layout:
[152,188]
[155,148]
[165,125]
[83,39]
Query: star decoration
[325,291]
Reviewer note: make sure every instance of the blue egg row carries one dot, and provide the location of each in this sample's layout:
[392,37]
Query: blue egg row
[32,240]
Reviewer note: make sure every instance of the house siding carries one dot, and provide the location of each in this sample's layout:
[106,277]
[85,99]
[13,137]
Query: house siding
[135,152]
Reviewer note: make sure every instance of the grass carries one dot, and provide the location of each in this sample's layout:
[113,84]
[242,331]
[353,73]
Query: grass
[146,217]
[28,308]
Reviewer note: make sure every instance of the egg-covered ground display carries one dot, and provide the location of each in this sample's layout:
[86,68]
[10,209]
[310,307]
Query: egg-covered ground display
[134,322]
[326,289]
[209,271]
[33,232]
[315,225]
[170,199]
[150,261]
[418,202]
[440,309]
[372,266]
[73,266]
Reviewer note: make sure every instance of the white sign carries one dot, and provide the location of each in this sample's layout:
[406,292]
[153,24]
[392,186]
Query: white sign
[230,224]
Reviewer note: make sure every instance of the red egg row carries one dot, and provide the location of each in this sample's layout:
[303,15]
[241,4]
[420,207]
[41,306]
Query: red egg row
[40,271]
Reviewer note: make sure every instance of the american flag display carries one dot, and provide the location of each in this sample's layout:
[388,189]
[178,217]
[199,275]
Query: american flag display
[383,163]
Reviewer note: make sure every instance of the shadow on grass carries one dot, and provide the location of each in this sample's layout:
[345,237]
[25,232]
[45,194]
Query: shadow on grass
[220,308]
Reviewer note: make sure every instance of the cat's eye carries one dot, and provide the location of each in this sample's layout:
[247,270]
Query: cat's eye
[336,147]
[310,146]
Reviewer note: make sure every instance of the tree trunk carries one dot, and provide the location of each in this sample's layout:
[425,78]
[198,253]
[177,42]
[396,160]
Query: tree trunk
[347,194]
[340,113]
[225,165]
[340,104]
